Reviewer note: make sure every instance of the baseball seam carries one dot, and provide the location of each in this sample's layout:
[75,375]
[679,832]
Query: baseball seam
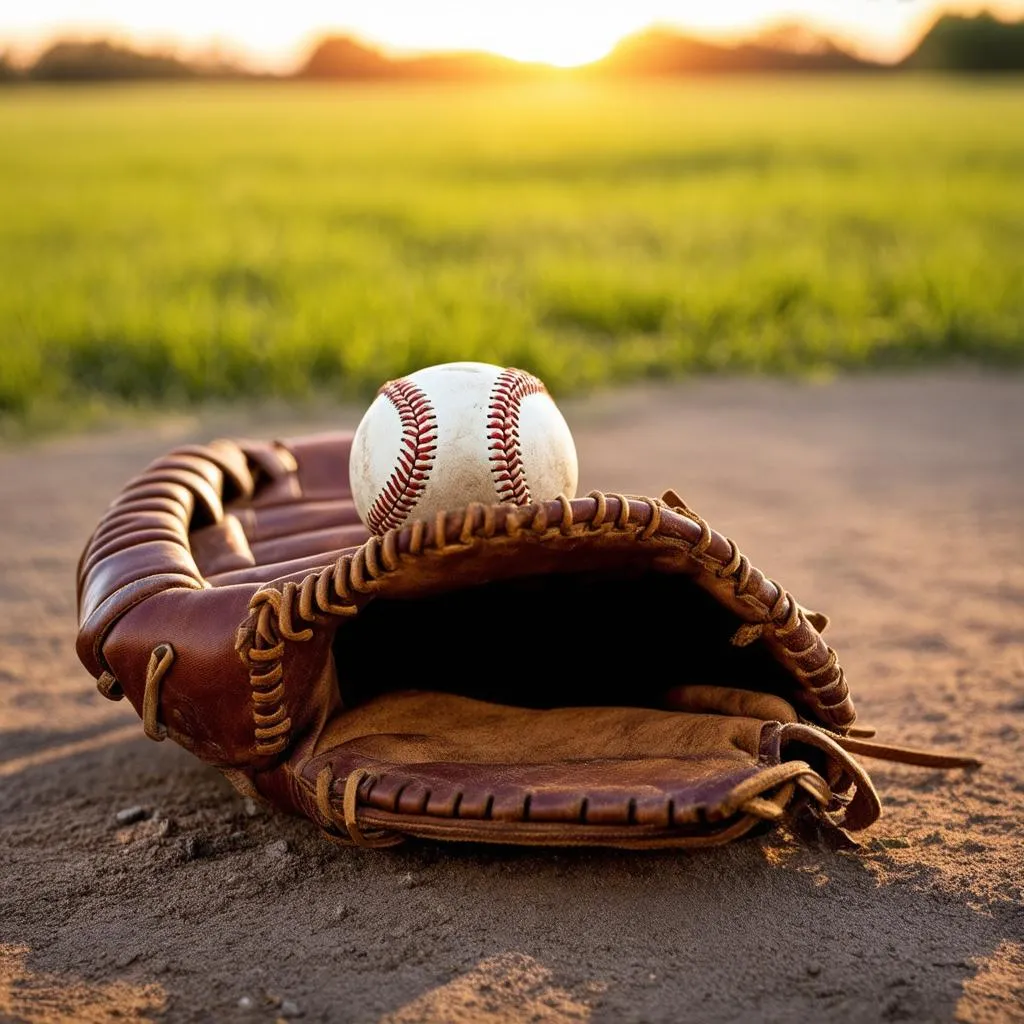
[506,454]
[407,482]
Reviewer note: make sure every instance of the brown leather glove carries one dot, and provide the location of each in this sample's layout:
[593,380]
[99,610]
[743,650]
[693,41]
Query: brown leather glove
[606,670]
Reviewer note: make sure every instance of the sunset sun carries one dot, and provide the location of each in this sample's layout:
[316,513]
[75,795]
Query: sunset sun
[559,51]
[564,38]
[562,34]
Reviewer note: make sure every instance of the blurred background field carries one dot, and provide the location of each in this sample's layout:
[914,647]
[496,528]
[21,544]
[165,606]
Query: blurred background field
[176,243]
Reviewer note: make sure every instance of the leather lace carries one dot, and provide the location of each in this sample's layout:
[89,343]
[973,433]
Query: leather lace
[348,831]
[864,806]
[905,755]
[160,661]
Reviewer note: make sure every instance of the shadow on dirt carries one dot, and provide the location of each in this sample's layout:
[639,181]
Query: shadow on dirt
[211,907]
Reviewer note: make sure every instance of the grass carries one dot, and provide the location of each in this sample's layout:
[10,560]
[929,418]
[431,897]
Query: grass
[167,245]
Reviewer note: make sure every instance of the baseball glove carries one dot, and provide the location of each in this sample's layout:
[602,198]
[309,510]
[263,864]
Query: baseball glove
[606,670]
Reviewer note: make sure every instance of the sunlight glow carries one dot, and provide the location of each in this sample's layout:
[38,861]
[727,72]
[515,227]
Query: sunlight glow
[559,32]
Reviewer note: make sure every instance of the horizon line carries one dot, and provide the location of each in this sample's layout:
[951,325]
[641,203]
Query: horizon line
[216,49]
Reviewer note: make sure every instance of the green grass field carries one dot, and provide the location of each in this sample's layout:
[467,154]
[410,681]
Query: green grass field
[174,244]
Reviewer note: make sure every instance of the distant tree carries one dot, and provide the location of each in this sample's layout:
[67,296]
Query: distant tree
[664,52]
[794,36]
[99,60]
[659,52]
[979,43]
[342,57]
[9,72]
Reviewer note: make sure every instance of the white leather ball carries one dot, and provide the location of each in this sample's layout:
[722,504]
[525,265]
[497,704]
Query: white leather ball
[456,433]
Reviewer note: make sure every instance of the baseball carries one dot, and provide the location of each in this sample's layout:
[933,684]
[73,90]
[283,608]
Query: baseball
[456,433]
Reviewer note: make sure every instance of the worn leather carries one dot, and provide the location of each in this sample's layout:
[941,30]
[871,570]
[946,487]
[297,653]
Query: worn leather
[605,670]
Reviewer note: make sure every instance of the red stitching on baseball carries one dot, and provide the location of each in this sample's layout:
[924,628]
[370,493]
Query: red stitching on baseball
[415,457]
[507,468]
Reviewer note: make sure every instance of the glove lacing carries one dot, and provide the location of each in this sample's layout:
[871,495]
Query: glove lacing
[348,831]
[335,592]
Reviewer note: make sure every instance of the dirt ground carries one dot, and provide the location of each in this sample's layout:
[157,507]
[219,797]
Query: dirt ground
[895,504]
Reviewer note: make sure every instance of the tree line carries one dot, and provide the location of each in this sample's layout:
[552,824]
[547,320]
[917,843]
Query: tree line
[957,43]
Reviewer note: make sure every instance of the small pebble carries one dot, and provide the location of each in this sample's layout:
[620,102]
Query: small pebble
[890,843]
[196,845]
[130,815]
[246,1003]
[407,881]
[290,1009]
[814,970]
[276,850]
[249,807]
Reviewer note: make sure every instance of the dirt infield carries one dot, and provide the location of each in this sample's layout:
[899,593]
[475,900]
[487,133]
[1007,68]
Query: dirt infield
[894,504]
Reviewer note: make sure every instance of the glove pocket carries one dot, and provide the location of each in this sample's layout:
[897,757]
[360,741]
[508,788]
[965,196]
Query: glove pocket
[439,765]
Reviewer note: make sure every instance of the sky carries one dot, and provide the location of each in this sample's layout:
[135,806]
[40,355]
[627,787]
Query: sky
[277,36]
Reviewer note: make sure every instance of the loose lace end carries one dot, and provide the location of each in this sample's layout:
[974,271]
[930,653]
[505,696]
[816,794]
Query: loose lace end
[906,755]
